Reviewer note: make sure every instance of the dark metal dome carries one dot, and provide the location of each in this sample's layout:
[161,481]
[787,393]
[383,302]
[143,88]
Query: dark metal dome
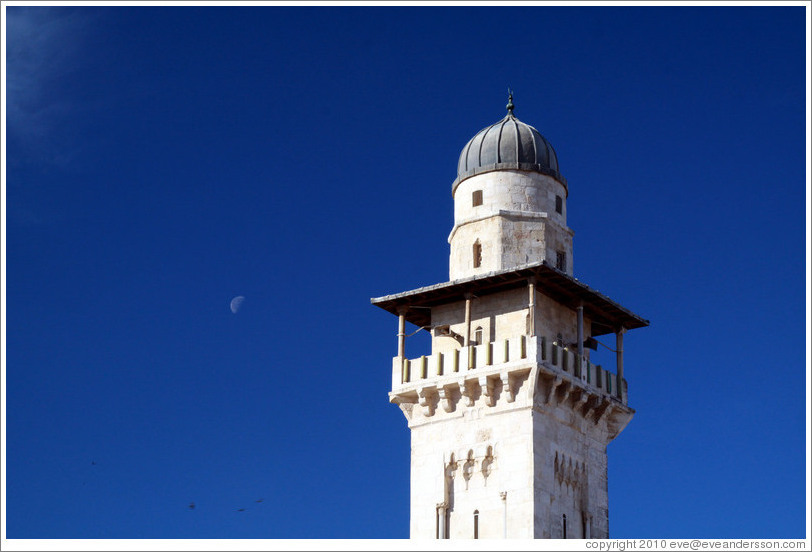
[505,145]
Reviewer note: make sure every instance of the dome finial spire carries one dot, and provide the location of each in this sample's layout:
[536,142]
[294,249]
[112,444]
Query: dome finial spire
[510,102]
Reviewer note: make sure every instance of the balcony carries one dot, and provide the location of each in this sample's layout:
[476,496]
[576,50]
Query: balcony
[498,360]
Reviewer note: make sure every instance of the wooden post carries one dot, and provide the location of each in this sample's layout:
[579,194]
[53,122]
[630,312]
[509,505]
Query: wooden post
[619,348]
[467,337]
[531,306]
[579,362]
[401,334]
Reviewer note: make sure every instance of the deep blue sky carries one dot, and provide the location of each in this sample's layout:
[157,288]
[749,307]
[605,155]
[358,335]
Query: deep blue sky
[162,160]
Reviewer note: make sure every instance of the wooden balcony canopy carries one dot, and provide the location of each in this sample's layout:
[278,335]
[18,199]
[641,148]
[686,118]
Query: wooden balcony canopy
[606,315]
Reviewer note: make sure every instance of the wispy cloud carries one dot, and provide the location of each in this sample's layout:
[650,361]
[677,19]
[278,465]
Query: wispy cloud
[43,48]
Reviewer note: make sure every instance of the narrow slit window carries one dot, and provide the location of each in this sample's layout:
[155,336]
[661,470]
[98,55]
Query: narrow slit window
[478,336]
[441,521]
[477,254]
[559,204]
[476,198]
[476,524]
[561,260]
[565,525]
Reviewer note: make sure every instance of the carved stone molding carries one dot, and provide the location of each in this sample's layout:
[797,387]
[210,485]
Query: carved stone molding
[487,390]
[445,399]
[506,388]
[467,391]
[425,396]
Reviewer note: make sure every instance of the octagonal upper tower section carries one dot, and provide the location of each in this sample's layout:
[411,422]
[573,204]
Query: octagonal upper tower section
[509,202]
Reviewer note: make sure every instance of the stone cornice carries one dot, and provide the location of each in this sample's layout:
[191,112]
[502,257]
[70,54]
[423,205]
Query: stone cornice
[509,214]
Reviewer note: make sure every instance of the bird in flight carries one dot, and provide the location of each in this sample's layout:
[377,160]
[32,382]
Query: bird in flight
[240,509]
[260,500]
[191,505]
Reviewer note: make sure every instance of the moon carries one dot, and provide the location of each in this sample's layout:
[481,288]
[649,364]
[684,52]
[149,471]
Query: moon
[236,303]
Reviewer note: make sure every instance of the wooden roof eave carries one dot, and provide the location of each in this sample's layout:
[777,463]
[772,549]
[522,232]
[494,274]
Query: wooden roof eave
[607,316]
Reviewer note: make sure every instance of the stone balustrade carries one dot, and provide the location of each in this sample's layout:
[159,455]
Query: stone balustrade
[506,354]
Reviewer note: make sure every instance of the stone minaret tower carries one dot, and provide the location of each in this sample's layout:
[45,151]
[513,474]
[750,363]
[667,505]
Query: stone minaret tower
[509,418]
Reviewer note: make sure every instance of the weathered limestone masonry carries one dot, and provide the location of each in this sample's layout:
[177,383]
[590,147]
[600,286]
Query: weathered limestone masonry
[509,418]
[516,223]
